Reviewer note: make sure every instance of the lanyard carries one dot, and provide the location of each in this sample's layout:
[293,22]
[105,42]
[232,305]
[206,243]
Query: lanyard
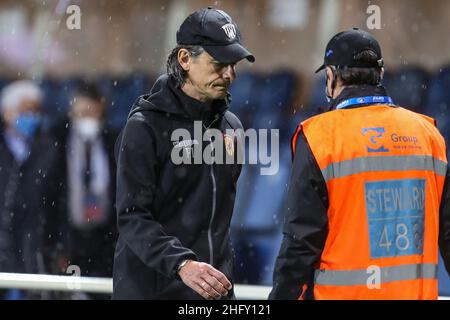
[365,100]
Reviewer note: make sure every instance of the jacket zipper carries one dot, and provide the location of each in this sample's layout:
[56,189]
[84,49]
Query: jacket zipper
[213,211]
[211,253]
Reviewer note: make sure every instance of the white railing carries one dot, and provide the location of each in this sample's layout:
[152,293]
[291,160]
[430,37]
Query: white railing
[103,285]
[98,285]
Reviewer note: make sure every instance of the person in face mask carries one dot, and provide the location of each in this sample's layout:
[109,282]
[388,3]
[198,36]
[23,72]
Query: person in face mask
[351,227]
[87,113]
[87,170]
[21,106]
[27,159]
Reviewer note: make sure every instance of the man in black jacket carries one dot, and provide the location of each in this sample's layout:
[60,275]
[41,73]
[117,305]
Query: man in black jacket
[87,185]
[174,219]
[28,190]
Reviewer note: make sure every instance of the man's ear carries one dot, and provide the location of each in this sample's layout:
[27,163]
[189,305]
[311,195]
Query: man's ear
[329,78]
[382,74]
[184,59]
[329,73]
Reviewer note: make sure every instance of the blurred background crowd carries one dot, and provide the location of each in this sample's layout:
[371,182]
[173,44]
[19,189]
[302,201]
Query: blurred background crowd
[65,95]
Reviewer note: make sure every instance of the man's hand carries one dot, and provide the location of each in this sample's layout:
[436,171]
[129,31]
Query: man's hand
[205,280]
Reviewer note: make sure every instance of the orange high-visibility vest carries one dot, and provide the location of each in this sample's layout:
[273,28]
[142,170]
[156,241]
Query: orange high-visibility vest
[384,168]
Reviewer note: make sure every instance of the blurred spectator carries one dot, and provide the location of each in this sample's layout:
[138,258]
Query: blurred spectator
[27,195]
[88,182]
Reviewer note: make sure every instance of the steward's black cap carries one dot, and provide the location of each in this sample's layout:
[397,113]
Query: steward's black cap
[215,31]
[345,46]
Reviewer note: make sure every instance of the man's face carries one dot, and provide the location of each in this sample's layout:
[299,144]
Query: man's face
[26,106]
[208,79]
[85,107]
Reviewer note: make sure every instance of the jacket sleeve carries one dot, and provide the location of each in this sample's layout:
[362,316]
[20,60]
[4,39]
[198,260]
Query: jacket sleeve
[305,226]
[137,167]
[444,223]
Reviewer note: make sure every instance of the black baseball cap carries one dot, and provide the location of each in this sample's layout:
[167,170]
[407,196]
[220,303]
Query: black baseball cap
[343,48]
[216,32]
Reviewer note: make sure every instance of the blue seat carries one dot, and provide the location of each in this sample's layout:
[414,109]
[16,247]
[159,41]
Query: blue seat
[121,93]
[263,193]
[278,91]
[318,99]
[265,100]
[317,103]
[388,78]
[58,94]
[105,84]
[408,87]
[244,96]
[438,102]
[269,191]
[256,228]
[256,225]
[244,92]
[50,87]
[443,279]
[255,258]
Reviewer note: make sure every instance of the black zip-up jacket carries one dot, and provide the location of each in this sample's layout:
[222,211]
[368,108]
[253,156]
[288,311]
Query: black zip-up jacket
[306,216]
[168,213]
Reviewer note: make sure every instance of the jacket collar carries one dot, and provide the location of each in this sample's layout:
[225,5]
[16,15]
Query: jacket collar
[167,97]
[195,109]
[358,91]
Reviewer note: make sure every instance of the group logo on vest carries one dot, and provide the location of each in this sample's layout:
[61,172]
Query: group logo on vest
[376,140]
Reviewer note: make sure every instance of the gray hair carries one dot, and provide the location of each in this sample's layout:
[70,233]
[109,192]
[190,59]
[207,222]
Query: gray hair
[15,93]
[174,68]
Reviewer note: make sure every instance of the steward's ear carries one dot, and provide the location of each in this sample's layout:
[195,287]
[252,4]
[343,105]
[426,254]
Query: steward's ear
[329,73]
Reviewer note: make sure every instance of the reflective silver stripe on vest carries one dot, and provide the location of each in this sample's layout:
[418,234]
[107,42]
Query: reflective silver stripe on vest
[391,163]
[387,274]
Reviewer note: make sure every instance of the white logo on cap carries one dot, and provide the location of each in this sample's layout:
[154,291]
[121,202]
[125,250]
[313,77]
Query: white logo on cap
[230,30]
